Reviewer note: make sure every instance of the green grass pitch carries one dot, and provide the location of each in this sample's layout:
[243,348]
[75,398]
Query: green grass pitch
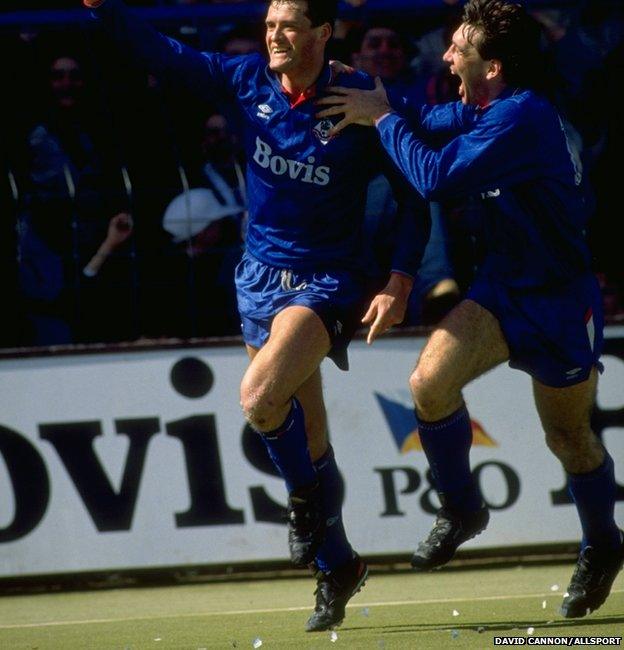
[452,609]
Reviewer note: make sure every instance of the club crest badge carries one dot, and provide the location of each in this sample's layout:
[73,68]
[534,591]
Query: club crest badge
[321,130]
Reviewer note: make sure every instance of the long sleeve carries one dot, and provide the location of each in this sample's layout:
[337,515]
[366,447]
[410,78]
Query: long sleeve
[499,149]
[206,74]
[412,225]
[436,124]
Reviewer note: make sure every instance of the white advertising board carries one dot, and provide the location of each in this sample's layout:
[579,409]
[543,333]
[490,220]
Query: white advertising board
[142,459]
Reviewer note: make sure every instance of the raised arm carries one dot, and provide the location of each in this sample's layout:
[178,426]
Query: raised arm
[204,73]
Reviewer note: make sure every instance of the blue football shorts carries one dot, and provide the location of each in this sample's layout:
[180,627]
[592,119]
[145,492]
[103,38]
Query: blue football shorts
[554,334]
[338,297]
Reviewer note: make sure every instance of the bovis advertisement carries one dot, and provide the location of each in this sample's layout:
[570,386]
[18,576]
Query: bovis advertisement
[143,459]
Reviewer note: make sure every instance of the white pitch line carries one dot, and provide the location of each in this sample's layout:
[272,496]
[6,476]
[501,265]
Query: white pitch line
[278,610]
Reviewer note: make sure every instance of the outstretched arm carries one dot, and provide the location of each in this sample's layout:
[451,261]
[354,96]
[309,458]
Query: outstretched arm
[367,108]
[476,153]
[203,73]
[499,150]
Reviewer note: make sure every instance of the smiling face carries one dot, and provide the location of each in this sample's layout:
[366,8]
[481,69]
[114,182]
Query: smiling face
[294,45]
[474,72]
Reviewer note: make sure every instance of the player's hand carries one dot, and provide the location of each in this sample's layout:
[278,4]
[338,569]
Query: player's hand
[358,106]
[92,4]
[388,307]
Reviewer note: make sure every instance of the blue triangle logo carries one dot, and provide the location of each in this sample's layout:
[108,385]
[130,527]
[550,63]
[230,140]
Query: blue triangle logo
[400,419]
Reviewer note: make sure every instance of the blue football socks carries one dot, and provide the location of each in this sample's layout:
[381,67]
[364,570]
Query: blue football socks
[336,549]
[288,448]
[594,495]
[447,445]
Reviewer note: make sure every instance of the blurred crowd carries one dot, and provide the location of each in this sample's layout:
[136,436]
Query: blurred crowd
[124,201]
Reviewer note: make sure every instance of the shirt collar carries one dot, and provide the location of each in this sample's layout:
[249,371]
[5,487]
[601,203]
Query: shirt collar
[296,100]
[324,79]
[509,91]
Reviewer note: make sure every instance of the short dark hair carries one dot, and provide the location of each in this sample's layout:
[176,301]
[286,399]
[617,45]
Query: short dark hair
[356,35]
[504,30]
[318,11]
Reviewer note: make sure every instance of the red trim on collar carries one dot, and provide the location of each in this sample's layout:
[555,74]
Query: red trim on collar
[308,93]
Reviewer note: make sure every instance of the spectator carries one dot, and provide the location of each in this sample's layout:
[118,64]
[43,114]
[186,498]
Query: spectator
[71,195]
[204,228]
[606,178]
[603,22]
[430,46]
[384,52]
[572,62]
[224,162]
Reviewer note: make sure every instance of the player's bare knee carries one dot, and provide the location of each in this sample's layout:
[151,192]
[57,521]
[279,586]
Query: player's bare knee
[258,407]
[261,418]
[426,394]
[557,442]
[577,448]
[561,437]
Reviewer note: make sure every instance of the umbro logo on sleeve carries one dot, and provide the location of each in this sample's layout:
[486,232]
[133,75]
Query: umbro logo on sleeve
[264,110]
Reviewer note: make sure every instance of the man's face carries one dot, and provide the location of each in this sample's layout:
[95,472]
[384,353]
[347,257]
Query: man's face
[66,82]
[218,143]
[293,44]
[382,54]
[471,69]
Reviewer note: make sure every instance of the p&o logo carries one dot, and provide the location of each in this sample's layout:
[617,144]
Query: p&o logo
[402,424]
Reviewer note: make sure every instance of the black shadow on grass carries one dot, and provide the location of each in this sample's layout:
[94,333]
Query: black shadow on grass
[499,626]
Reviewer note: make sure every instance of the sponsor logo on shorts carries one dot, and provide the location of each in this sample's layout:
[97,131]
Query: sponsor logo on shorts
[491,194]
[287,282]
